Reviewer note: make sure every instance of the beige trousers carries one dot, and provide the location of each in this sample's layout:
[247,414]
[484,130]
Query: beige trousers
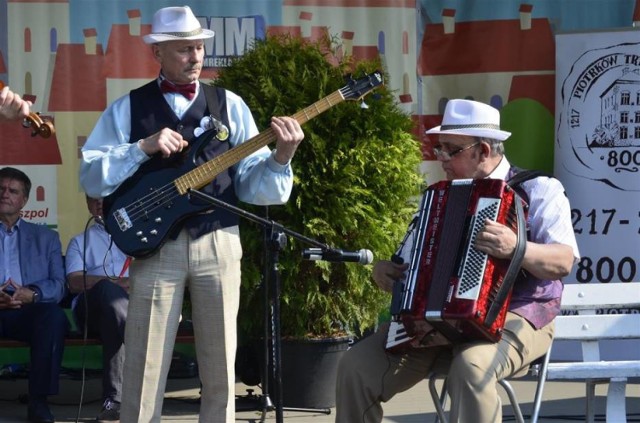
[210,268]
[368,375]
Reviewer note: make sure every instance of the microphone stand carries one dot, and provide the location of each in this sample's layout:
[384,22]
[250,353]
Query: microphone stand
[275,236]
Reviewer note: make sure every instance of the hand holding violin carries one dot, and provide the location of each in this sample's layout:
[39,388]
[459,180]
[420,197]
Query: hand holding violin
[12,106]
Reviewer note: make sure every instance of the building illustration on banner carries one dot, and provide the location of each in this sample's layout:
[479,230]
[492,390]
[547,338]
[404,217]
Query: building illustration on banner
[620,120]
[604,140]
[493,61]
[30,46]
[487,74]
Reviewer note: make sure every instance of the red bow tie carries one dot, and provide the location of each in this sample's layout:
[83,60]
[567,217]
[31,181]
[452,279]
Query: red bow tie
[187,90]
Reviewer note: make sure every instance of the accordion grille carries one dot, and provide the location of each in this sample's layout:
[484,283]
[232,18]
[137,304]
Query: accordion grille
[475,262]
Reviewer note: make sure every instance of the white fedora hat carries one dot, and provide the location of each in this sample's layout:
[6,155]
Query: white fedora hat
[471,118]
[176,23]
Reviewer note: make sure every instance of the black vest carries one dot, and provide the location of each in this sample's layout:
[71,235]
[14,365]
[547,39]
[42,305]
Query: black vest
[150,113]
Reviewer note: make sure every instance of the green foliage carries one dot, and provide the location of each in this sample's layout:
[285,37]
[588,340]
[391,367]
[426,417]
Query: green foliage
[356,174]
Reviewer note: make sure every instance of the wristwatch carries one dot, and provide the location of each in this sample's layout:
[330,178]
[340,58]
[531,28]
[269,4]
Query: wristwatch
[36,295]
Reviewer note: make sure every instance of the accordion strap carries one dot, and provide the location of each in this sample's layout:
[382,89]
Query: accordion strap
[514,267]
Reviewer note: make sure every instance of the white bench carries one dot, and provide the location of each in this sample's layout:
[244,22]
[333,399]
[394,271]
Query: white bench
[580,322]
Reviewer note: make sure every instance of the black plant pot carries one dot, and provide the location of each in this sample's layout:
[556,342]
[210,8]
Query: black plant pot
[309,370]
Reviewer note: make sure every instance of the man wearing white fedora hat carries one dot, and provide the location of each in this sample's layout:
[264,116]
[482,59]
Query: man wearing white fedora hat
[470,145]
[146,131]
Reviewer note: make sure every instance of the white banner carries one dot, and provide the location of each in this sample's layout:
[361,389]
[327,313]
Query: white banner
[597,153]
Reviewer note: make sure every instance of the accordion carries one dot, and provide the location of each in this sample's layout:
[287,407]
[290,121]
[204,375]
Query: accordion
[452,292]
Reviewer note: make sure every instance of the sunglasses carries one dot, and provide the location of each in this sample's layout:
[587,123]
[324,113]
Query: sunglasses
[445,156]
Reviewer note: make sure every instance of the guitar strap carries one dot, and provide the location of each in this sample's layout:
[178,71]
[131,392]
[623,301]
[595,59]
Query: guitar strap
[519,176]
[222,186]
[213,95]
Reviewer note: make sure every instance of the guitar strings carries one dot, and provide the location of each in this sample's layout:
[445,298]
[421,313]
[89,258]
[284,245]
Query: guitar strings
[161,196]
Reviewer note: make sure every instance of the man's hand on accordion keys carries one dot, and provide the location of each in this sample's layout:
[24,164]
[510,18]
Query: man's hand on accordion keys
[386,272]
[496,239]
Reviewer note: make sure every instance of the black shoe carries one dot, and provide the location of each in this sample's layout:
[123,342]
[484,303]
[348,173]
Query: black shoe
[110,411]
[38,412]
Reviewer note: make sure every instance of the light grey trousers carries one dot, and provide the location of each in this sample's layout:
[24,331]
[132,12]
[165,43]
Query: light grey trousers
[210,268]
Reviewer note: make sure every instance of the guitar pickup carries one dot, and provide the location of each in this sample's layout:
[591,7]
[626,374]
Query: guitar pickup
[122,218]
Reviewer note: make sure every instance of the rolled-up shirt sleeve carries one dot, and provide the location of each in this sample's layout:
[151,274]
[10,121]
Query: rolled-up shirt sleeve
[550,214]
[260,179]
[108,158]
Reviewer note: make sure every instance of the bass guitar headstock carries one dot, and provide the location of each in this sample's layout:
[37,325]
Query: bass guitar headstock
[357,89]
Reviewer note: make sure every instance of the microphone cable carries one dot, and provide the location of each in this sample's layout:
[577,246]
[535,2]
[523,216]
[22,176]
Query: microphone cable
[85,325]
[85,292]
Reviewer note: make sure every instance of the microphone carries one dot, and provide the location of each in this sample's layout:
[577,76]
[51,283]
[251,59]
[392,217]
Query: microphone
[362,256]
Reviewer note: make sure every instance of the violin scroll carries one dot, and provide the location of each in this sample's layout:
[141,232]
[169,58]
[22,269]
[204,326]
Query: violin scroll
[40,127]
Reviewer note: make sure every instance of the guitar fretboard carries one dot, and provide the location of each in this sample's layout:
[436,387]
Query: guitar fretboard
[205,173]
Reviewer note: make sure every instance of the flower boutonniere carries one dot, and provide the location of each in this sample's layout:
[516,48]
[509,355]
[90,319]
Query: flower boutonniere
[209,122]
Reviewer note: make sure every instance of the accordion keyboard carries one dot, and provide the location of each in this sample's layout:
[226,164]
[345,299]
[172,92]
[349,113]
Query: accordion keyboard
[475,262]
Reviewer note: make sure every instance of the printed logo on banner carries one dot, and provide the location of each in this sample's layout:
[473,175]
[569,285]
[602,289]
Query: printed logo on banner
[605,138]
[233,36]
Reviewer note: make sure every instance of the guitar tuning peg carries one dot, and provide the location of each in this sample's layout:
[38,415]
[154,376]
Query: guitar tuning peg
[363,105]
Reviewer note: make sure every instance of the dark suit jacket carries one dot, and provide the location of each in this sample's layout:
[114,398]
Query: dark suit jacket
[41,261]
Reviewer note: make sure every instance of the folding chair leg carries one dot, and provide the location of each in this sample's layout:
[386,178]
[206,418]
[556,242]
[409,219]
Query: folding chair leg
[591,403]
[542,377]
[514,400]
[439,400]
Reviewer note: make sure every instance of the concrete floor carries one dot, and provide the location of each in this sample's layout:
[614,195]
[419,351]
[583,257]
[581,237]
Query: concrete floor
[563,402]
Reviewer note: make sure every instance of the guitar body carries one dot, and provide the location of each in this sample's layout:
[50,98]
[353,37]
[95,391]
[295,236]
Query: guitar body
[145,209]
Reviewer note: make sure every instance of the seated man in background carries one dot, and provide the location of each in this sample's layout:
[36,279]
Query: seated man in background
[98,271]
[33,283]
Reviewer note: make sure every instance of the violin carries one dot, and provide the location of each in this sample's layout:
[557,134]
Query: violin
[41,127]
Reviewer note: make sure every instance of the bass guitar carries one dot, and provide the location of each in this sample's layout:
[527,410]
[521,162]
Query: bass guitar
[142,212]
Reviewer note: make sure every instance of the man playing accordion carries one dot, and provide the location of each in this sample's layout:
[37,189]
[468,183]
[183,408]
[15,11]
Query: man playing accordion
[470,146]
